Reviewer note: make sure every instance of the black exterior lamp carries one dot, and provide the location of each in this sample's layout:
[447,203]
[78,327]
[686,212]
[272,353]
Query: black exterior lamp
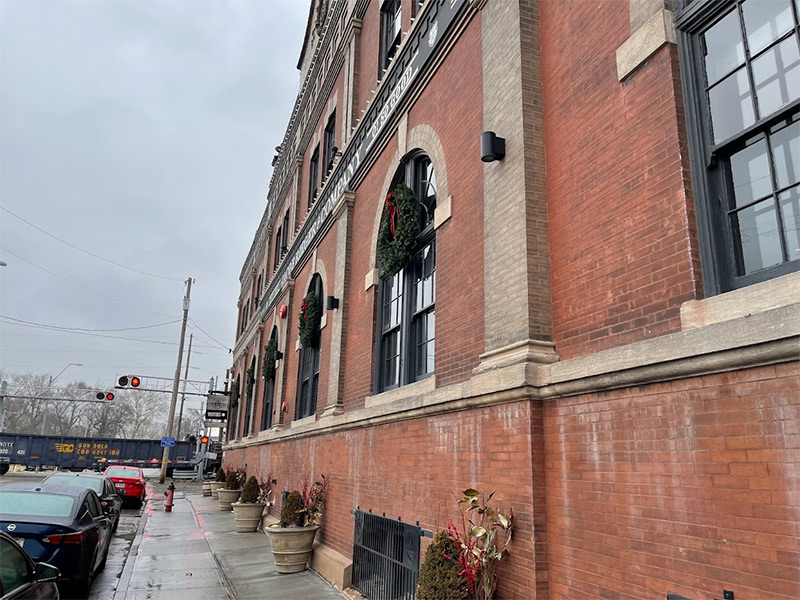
[492,147]
[331,303]
[278,355]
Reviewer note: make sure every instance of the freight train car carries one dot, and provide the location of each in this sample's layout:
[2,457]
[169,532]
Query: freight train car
[77,453]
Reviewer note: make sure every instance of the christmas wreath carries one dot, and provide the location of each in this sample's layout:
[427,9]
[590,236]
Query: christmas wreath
[399,229]
[310,315]
[268,370]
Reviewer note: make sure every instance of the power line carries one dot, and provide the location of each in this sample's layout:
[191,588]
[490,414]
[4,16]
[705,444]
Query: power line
[65,328]
[81,285]
[221,345]
[86,333]
[108,260]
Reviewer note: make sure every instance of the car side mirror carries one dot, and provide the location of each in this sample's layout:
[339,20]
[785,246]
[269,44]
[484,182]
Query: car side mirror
[112,511]
[44,572]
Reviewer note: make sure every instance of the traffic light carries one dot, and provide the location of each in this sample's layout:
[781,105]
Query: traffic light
[204,440]
[105,395]
[129,380]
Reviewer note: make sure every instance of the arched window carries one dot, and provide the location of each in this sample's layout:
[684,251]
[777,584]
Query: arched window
[309,363]
[407,301]
[250,395]
[267,405]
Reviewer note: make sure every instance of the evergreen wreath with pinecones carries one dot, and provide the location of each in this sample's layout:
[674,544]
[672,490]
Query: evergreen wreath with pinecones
[268,370]
[399,229]
[310,316]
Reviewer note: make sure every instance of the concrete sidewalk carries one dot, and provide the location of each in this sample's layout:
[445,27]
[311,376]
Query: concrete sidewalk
[195,553]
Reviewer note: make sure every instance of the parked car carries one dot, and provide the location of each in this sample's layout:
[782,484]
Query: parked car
[129,482]
[100,484]
[20,577]
[64,527]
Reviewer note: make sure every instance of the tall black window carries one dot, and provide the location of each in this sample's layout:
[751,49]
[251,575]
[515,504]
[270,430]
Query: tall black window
[277,256]
[249,395]
[285,239]
[390,31]
[309,365]
[407,301]
[330,143]
[268,404]
[313,177]
[741,67]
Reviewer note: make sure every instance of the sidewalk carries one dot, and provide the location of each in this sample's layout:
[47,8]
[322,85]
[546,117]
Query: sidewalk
[194,552]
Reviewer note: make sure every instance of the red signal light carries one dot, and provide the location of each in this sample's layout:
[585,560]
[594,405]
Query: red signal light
[204,440]
[135,381]
[110,396]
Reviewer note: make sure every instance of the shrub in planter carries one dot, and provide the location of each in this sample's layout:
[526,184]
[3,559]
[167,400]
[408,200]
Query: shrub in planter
[230,493]
[220,475]
[292,540]
[250,507]
[293,512]
[440,575]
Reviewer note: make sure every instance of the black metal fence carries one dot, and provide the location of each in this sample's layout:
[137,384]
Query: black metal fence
[386,557]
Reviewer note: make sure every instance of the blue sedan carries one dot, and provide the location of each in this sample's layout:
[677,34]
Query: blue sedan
[64,527]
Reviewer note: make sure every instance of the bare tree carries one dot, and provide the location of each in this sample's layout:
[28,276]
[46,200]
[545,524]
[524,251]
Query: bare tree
[143,413]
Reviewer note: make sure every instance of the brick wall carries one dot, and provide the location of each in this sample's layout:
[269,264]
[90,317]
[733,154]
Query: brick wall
[623,251]
[688,487]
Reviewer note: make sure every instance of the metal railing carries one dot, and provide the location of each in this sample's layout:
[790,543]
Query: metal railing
[386,555]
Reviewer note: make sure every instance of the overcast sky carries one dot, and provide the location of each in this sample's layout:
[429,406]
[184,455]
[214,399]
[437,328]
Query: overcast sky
[140,131]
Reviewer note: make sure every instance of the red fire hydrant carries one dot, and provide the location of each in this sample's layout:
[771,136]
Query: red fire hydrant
[170,494]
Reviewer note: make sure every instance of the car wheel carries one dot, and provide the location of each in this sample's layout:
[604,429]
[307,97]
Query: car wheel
[116,524]
[102,564]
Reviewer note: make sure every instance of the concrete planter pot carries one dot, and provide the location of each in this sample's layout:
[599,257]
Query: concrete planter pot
[247,515]
[227,498]
[291,546]
[215,487]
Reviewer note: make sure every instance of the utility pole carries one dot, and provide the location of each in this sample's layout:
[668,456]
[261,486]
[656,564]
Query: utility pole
[165,457]
[3,385]
[185,377]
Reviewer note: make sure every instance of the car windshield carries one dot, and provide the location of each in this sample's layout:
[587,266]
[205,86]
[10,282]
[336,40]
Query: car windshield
[121,472]
[36,503]
[93,483]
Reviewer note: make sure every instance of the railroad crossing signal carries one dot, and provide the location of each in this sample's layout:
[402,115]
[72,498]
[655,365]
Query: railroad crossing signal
[204,440]
[105,395]
[133,381]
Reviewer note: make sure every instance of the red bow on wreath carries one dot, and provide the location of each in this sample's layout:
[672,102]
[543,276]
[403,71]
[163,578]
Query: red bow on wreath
[304,310]
[391,208]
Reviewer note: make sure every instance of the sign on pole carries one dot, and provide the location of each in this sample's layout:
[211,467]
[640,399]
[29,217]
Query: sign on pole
[167,441]
[217,415]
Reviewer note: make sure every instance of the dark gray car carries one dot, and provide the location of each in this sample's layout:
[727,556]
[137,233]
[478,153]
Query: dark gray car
[99,484]
[20,577]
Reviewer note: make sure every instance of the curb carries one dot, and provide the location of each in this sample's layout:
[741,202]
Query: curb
[127,570]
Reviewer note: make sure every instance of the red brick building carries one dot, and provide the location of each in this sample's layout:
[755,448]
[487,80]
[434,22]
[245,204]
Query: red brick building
[602,324]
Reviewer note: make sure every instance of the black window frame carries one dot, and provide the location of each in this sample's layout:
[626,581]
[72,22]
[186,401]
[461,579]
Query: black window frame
[721,249]
[308,368]
[268,397]
[329,141]
[285,240]
[399,314]
[276,259]
[391,32]
[313,177]
[251,397]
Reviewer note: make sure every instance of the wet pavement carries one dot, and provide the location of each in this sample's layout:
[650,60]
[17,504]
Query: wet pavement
[194,552]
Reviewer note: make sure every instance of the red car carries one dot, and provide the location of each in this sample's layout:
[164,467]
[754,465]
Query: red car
[129,482]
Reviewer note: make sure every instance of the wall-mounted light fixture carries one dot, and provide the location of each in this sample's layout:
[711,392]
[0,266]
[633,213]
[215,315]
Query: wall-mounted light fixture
[492,147]
[278,355]
[331,303]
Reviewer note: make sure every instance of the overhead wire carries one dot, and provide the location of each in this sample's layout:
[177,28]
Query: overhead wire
[108,260]
[81,285]
[221,345]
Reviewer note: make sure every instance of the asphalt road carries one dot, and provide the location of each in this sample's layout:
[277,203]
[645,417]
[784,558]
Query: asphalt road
[129,522]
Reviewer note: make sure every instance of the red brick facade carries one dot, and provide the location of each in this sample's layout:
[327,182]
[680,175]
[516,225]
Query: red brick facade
[649,445]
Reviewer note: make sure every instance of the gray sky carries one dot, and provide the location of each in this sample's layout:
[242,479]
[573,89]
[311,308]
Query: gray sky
[141,131]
